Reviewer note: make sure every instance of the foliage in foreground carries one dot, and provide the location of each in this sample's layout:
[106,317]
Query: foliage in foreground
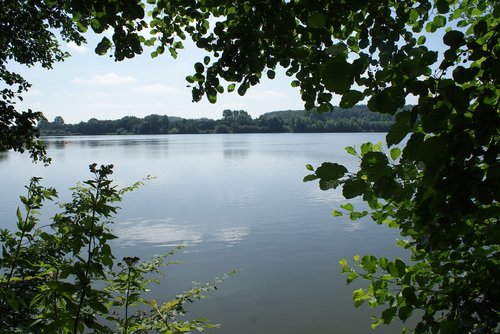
[62,278]
[439,182]
[452,278]
[442,190]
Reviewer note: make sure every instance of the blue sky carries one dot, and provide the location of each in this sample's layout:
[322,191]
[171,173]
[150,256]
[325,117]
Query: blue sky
[87,85]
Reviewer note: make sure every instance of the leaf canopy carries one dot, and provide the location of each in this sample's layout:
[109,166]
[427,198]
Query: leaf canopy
[442,193]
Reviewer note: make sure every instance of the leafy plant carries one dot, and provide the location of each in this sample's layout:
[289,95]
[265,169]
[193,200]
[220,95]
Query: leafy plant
[442,193]
[60,278]
[452,278]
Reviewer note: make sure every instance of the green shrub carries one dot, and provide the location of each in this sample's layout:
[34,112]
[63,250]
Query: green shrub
[63,278]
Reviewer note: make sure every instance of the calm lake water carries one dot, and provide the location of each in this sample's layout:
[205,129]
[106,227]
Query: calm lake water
[236,202]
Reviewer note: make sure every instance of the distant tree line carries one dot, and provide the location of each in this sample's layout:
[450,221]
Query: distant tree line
[356,119]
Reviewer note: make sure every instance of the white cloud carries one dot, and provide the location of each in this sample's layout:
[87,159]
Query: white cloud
[231,235]
[77,48]
[107,79]
[169,232]
[163,232]
[155,89]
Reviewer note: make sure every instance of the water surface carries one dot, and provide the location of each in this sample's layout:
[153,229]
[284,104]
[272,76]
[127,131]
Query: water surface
[236,202]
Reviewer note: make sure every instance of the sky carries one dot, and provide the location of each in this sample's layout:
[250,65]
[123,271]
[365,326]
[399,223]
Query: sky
[90,86]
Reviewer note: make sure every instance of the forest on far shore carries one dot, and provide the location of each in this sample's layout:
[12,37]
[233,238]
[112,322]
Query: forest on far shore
[356,119]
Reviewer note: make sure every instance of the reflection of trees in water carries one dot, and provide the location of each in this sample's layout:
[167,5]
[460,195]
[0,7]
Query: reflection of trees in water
[4,155]
[56,144]
[101,142]
[236,154]
[235,149]
[59,144]
[126,144]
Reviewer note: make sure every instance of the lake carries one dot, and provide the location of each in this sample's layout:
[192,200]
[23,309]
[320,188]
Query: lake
[236,201]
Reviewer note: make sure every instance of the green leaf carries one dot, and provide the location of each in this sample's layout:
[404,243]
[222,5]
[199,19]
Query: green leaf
[405,312]
[395,153]
[450,326]
[337,75]
[325,107]
[439,21]
[316,20]
[388,101]
[400,267]
[454,38]
[414,14]
[103,46]
[376,323]
[391,269]
[310,177]
[271,74]
[388,314]
[442,6]
[13,302]
[330,171]
[212,98]
[456,94]
[19,218]
[359,297]
[383,262]
[385,186]
[353,188]
[347,206]
[231,87]
[199,68]
[399,129]
[463,75]
[369,263]
[310,167]
[242,89]
[374,162]
[351,98]
[352,276]
[351,150]
[480,28]
[355,215]
[328,184]
[337,49]
[366,147]
[337,213]
[344,266]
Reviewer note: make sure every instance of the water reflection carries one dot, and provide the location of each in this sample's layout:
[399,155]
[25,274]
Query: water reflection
[129,145]
[167,232]
[231,235]
[236,154]
[159,232]
[118,142]
[234,149]
[4,155]
[239,202]
[57,144]
[105,141]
